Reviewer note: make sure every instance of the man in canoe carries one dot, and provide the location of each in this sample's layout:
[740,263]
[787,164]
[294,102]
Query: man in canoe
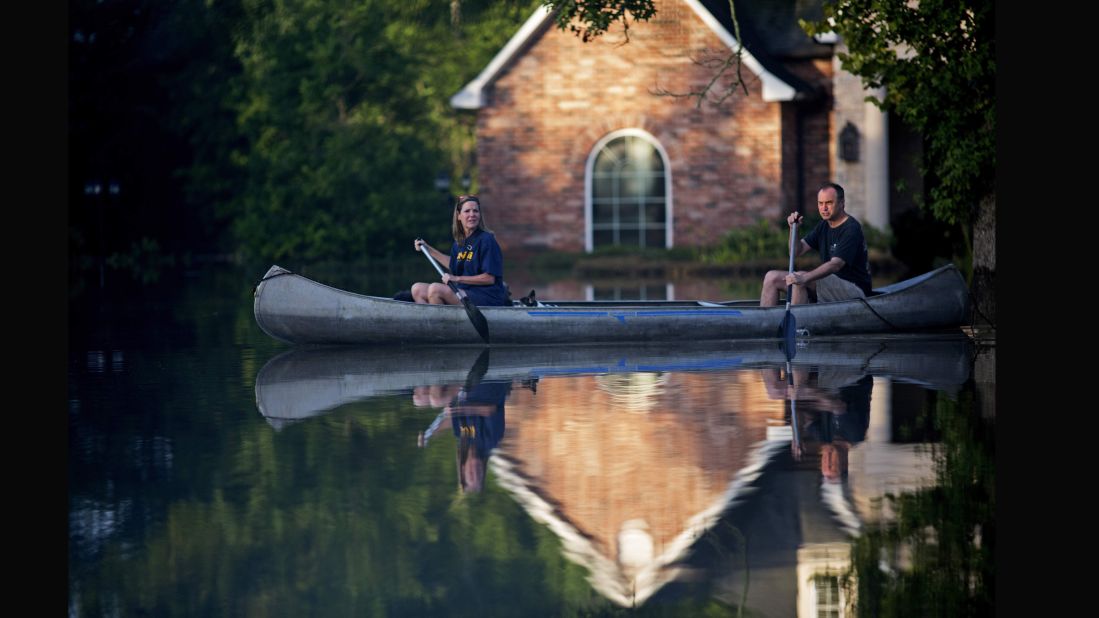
[476,263]
[844,271]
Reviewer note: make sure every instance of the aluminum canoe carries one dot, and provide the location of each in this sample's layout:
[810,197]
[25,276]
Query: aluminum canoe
[298,310]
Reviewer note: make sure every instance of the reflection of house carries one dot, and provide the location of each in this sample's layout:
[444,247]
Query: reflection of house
[884,465]
[629,470]
[821,567]
[654,481]
[578,151]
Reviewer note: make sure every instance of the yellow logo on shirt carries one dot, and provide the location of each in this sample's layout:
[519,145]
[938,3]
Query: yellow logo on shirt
[465,256]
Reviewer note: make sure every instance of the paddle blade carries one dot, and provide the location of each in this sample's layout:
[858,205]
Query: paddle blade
[476,317]
[789,332]
[477,371]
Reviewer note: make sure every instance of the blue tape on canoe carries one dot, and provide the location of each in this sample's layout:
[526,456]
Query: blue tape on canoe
[714,364]
[539,314]
[623,366]
[569,371]
[634,314]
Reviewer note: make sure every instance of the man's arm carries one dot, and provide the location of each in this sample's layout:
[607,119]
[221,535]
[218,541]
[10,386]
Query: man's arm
[832,266]
[802,247]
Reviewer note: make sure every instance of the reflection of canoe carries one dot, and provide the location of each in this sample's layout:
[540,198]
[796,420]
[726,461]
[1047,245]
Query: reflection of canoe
[307,381]
[298,310]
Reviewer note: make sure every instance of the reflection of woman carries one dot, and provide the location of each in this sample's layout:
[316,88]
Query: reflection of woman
[477,418]
[476,263]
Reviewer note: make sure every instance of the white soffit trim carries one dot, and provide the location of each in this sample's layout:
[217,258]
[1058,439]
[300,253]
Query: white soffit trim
[472,95]
[774,89]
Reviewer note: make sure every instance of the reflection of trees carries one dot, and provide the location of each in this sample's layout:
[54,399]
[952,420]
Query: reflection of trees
[936,557]
[315,520]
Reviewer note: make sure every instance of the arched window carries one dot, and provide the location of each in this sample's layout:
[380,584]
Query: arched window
[628,200]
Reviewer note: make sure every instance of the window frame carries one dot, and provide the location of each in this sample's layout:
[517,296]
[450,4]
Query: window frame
[589,184]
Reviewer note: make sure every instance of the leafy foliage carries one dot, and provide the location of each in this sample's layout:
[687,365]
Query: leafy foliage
[344,107]
[595,16]
[335,131]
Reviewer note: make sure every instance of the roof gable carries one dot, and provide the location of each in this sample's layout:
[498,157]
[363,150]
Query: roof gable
[778,84]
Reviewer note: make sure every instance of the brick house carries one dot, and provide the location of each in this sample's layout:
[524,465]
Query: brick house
[576,149]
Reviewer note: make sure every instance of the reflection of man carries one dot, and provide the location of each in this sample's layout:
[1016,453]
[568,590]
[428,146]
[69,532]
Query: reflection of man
[477,418]
[839,424]
[833,412]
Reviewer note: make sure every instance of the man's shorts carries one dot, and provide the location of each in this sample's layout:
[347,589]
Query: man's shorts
[832,288]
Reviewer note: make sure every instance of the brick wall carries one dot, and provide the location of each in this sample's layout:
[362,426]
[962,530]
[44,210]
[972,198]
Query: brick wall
[730,164]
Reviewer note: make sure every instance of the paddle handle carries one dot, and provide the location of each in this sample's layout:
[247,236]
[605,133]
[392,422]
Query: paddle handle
[793,239]
[422,439]
[423,249]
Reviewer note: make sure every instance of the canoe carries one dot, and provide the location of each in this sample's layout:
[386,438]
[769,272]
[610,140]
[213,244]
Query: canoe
[306,381]
[298,310]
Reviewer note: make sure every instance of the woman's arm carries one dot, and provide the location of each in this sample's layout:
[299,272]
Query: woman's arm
[442,258]
[476,409]
[481,279]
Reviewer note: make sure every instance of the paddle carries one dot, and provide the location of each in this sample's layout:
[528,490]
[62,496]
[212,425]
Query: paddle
[475,315]
[788,328]
[793,414]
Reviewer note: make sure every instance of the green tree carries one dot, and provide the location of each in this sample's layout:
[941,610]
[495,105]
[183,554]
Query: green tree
[343,109]
[336,152]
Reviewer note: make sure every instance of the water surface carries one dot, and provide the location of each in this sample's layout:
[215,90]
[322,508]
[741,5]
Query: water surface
[214,471]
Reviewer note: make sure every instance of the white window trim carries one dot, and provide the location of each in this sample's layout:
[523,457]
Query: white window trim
[589,167]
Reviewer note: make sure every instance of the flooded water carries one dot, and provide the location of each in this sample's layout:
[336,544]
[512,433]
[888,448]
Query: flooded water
[215,471]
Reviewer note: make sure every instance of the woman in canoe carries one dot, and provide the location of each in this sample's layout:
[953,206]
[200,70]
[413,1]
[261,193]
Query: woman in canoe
[476,263]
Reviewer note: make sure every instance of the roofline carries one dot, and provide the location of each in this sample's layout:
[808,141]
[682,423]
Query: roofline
[774,88]
[472,95]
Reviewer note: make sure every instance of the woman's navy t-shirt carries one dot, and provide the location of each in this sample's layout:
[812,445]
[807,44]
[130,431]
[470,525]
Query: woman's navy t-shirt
[480,253]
